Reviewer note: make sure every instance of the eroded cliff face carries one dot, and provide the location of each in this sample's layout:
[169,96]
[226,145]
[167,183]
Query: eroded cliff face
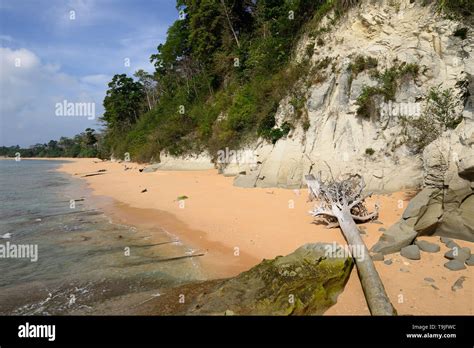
[331,133]
[337,136]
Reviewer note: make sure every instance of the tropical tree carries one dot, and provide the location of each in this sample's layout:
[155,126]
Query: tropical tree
[122,102]
[149,87]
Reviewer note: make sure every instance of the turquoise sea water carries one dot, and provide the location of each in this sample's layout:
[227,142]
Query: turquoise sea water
[83,259]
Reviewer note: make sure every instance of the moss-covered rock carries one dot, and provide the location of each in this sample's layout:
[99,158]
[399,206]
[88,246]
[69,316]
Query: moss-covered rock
[306,281]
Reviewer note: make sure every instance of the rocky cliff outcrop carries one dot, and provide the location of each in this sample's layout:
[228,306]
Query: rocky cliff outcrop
[331,132]
[445,205]
[338,136]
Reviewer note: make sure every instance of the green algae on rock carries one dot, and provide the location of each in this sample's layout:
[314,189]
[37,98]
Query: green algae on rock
[306,281]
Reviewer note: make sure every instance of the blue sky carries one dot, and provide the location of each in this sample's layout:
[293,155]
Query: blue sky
[49,54]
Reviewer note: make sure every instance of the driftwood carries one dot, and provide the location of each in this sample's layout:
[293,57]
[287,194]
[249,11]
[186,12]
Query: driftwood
[341,204]
[95,171]
[179,257]
[155,260]
[92,212]
[75,200]
[119,248]
[93,174]
[152,245]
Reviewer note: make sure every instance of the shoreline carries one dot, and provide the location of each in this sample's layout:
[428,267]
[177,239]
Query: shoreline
[59,250]
[239,227]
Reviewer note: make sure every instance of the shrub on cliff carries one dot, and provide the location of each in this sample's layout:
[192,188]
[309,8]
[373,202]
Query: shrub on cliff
[442,112]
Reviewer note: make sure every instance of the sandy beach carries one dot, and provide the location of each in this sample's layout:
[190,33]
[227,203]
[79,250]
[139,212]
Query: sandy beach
[239,227]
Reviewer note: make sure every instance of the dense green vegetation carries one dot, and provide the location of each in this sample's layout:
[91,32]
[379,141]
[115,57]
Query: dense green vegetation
[81,145]
[361,64]
[369,151]
[452,8]
[456,8]
[219,77]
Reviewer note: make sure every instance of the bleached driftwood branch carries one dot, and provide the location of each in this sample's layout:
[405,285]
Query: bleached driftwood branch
[346,193]
[341,203]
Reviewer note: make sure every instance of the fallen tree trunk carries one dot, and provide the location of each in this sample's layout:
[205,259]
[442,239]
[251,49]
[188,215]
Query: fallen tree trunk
[152,245]
[93,174]
[91,212]
[374,291]
[340,203]
[95,171]
[154,260]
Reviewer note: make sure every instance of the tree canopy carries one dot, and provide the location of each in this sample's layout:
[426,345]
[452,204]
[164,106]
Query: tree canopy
[220,57]
[85,144]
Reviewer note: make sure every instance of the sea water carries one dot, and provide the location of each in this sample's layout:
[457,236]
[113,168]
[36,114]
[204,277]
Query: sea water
[59,254]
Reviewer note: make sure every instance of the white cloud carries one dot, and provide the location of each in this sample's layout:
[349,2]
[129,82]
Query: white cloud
[69,59]
[17,60]
[29,93]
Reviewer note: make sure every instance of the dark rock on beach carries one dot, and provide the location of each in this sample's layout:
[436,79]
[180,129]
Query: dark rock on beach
[411,252]
[455,265]
[150,169]
[445,240]
[396,237]
[458,284]
[427,246]
[461,255]
[464,254]
[449,254]
[452,244]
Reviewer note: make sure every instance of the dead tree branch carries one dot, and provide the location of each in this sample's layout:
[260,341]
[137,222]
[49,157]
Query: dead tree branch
[341,203]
